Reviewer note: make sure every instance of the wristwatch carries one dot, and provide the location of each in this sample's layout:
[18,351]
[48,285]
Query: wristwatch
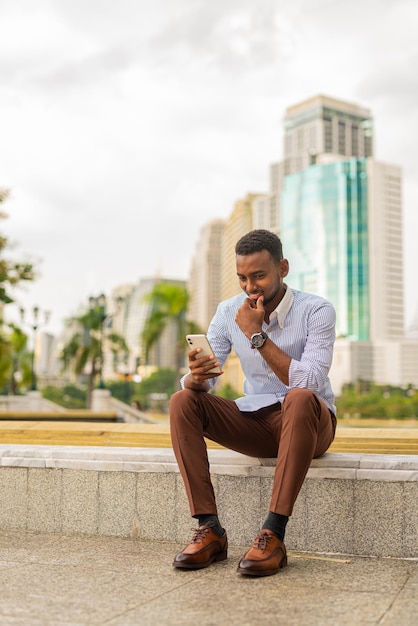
[258,339]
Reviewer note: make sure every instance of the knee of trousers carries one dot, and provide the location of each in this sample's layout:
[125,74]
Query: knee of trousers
[301,402]
[182,403]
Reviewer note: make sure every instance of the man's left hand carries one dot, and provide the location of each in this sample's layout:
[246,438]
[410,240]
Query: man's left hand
[250,316]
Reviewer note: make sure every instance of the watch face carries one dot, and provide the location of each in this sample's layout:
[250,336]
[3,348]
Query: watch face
[258,340]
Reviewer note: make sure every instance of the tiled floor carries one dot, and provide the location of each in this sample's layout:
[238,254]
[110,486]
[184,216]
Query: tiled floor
[57,580]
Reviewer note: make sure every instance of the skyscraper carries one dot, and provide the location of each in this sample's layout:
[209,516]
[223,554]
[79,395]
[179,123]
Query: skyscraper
[205,275]
[324,126]
[239,223]
[341,228]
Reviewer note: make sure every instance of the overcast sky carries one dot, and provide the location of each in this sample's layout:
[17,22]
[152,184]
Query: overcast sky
[126,126]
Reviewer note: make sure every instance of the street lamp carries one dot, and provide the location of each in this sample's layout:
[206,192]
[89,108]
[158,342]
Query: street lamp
[98,308]
[34,325]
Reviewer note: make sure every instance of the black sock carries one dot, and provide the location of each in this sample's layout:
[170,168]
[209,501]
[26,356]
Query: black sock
[276,523]
[212,521]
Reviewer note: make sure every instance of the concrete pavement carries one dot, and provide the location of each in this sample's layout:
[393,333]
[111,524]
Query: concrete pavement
[63,580]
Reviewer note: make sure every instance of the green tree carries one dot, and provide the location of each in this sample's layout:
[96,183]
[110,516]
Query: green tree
[13,353]
[364,399]
[19,371]
[11,272]
[228,392]
[162,381]
[168,305]
[69,396]
[83,353]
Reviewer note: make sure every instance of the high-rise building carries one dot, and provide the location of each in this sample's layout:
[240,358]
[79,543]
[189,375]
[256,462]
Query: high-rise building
[341,226]
[342,232]
[412,331]
[48,365]
[267,207]
[325,126]
[318,130]
[206,275]
[239,223]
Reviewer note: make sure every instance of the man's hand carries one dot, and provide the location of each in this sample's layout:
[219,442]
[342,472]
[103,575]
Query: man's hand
[250,316]
[199,370]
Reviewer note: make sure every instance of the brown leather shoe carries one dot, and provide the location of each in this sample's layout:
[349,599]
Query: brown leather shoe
[265,557]
[205,548]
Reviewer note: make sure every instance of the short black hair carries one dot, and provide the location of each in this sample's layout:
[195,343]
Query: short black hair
[258,240]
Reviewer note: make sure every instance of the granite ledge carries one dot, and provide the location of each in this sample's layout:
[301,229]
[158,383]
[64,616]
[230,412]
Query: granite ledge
[99,458]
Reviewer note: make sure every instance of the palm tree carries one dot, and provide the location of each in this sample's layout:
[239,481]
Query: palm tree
[168,305]
[15,360]
[84,350]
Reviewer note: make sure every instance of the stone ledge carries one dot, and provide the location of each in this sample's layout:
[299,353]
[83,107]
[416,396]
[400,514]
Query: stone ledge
[362,504]
[330,465]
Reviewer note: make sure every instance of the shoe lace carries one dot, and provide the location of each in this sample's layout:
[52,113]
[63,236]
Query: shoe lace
[262,540]
[199,534]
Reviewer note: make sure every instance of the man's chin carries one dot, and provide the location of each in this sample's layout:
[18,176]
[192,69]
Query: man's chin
[271,299]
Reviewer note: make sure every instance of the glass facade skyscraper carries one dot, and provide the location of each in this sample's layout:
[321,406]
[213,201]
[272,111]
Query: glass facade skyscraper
[325,236]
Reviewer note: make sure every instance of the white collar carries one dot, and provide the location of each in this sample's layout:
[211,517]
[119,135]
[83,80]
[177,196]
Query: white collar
[284,306]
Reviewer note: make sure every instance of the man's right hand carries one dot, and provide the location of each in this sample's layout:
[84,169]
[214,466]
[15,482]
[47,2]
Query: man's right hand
[199,370]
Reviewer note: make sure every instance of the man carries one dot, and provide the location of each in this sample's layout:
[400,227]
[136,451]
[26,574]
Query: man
[284,339]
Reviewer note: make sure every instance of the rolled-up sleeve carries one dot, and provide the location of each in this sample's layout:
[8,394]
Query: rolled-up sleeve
[311,370]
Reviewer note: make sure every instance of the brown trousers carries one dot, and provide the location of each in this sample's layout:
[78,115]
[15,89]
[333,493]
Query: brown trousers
[295,432]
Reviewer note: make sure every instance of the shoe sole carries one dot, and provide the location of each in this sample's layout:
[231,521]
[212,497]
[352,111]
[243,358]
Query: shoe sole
[221,556]
[260,572]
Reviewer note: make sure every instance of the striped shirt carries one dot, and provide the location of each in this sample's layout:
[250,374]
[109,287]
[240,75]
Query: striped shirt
[302,325]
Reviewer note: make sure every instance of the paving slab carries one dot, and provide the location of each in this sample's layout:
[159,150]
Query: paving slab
[69,580]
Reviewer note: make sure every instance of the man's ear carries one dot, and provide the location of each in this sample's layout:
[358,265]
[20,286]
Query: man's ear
[284,268]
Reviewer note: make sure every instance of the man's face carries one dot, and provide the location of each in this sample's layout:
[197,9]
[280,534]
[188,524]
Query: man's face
[259,275]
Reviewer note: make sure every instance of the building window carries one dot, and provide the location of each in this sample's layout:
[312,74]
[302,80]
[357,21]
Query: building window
[312,136]
[288,144]
[341,137]
[367,146]
[327,135]
[354,140]
[300,139]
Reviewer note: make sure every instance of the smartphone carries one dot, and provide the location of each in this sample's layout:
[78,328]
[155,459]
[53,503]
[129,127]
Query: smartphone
[201,341]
